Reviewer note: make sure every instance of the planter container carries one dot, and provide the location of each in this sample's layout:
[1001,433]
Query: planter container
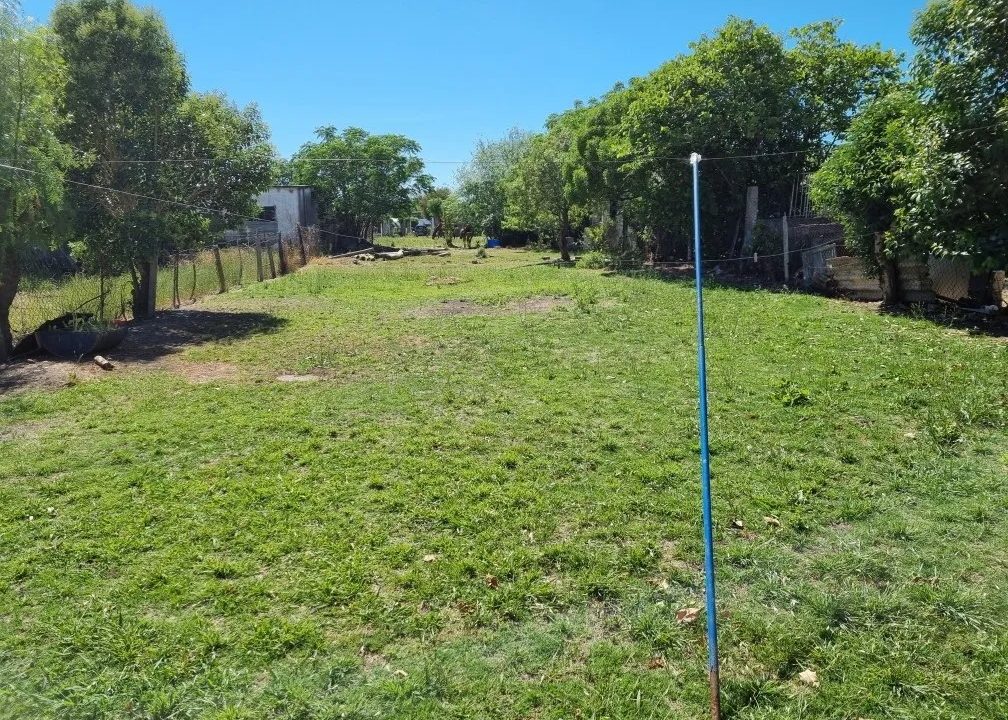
[76,344]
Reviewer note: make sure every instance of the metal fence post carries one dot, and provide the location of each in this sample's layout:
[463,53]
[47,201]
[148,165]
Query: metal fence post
[708,523]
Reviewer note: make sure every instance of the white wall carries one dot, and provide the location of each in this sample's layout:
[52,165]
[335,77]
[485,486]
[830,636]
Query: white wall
[288,203]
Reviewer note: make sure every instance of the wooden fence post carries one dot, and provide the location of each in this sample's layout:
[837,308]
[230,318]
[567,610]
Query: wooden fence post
[152,271]
[192,295]
[304,253]
[786,248]
[269,254]
[220,269]
[176,300]
[259,262]
[281,255]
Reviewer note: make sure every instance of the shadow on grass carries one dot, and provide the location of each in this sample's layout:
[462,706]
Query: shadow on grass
[173,331]
[148,343]
[945,314]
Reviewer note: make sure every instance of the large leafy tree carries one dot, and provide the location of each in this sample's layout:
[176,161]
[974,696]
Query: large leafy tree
[542,189]
[126,81]
[32,79]
[866,183]
[233,161]
[163,167]
[927,168]
[359,178]
[481,182]
[961,69]
[742,91]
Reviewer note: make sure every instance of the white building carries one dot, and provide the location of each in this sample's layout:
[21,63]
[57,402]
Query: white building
[288,206]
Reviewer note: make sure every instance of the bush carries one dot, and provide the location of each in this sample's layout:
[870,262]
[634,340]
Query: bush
[593,260]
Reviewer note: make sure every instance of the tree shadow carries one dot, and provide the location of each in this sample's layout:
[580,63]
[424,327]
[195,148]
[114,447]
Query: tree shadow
[148,343]
[945,314]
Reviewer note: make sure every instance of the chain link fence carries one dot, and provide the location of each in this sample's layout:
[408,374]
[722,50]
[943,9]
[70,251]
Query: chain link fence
[53,285]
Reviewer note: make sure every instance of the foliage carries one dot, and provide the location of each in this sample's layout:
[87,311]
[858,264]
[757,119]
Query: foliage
[128,103]
[539,192]
[927,166]
[743,91]
[431,204]
[32,82]
[593,260]
[863,183]
[126,79]
[961,67]
[481,183]
[359,178]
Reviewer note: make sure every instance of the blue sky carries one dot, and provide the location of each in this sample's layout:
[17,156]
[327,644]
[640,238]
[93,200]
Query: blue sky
[447,73]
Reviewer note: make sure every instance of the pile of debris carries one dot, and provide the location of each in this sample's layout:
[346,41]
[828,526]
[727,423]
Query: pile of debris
[379,252]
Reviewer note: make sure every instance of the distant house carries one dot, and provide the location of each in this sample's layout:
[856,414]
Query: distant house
[288,206]
[281,210]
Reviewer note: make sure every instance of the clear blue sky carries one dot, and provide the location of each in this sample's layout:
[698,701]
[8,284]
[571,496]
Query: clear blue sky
[447,73]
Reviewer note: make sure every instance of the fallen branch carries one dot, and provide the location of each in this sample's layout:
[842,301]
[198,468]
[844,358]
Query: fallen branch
[103,363]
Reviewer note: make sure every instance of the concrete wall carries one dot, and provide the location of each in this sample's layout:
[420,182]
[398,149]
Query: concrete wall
[294,206]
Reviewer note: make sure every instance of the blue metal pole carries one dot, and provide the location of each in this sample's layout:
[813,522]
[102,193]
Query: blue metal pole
[708,525]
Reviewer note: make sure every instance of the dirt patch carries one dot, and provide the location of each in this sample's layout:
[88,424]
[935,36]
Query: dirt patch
[153,344]
[541,304]
[439,281]
[450,308]
[199,373]
[25,430]
[298,378]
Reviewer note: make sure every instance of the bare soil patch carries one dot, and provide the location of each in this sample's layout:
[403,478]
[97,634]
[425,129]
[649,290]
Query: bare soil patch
[450,308]
[153,344]
[25,431]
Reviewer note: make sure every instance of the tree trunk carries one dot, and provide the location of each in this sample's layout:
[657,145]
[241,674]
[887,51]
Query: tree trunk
[10,277]
[888,273]
[563,241]
[565,231]
[144,287]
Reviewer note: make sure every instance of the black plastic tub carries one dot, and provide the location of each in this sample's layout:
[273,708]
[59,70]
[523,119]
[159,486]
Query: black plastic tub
[74,344]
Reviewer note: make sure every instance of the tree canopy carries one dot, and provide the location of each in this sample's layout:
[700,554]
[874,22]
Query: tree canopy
[742,91]
[32,81]
[929,166]
[359,178]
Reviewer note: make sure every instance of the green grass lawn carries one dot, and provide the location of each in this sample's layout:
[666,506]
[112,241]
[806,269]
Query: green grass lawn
[491,509]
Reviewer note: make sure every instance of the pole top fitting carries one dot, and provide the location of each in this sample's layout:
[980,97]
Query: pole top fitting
[694,159]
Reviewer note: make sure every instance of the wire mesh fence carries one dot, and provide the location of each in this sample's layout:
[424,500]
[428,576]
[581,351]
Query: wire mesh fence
[53,285]
[810,253]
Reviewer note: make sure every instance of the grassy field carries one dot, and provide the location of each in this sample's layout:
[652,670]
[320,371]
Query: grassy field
[486,505]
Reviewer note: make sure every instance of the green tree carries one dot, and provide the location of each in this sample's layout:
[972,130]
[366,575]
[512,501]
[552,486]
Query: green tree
[542,188]
[961,69]
[740,92]
[865,182]
[126,83]
[481,183]
[359,178]
[430,204]
[32,80]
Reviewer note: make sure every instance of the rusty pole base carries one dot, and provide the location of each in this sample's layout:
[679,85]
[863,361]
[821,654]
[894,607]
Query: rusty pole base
[715,695]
